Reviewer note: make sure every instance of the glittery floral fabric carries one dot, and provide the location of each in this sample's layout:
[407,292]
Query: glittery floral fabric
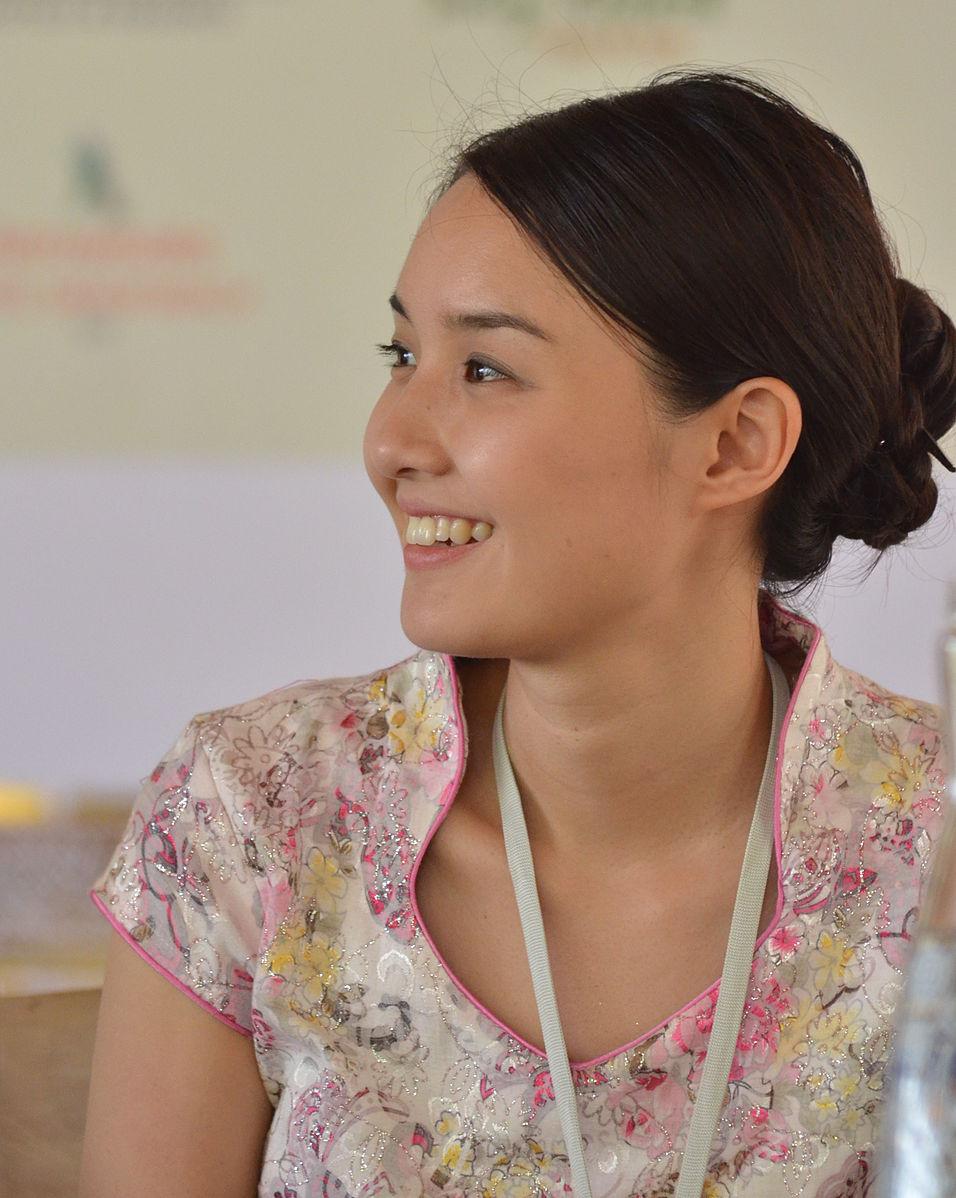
[268,869]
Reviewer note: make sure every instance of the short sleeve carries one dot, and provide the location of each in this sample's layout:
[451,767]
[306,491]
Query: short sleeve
[178,887]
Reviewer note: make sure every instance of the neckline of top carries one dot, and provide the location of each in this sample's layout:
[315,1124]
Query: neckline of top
[780,629]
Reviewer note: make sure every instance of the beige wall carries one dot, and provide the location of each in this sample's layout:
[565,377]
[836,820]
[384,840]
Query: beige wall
[254,178]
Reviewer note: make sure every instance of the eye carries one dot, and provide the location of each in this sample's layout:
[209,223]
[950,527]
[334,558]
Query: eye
[397,350]
[394,349]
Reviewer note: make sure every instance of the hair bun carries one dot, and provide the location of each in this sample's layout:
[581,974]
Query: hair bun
[927,362]
[894,491]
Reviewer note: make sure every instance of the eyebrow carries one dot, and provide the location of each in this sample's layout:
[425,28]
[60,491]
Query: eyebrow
[488,319]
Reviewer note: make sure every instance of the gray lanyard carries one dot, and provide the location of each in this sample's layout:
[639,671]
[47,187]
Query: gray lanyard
[737,961]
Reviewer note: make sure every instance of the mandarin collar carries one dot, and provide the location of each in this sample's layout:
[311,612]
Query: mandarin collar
[427,684]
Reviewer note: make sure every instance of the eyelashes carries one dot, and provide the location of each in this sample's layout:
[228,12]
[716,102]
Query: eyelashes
[395,350]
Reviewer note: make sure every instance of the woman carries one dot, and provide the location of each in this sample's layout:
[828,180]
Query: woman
[652,356]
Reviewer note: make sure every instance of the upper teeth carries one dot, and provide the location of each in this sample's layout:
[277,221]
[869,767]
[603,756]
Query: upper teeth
[426,530]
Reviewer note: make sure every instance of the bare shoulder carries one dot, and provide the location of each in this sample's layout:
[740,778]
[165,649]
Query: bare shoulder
[162,1066]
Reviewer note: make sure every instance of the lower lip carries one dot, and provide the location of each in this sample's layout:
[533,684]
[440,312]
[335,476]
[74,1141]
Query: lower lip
[423,557]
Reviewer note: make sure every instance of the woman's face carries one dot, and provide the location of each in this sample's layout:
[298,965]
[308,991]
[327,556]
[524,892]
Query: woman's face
[553,442]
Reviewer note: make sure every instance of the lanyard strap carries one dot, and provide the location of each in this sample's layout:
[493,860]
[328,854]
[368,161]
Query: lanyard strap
[734,980]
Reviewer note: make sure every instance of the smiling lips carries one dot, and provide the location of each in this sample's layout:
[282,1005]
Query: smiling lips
[428,530]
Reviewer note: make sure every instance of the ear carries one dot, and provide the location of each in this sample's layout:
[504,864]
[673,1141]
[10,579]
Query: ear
[752,432]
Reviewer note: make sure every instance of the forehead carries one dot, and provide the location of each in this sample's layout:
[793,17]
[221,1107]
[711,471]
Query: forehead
[465,212]
[468,248]
[469,254]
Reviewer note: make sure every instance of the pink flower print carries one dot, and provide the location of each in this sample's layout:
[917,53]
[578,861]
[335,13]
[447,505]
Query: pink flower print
[893,834]
[263,1034]
[784,941]
[276,898]
[763,1132]
[692,1026]
[759,1035]
[543,1089]
[402,923]
[827,789]
[648,1113]
[593,1076]
[172,773]
[820,727]
[512,1060]
[813,868]
[854,881]
[371,757]
[650,1081]
[423,1138]
[902,841]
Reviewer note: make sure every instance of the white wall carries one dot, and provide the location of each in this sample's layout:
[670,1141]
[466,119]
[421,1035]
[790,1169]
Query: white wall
[141,592]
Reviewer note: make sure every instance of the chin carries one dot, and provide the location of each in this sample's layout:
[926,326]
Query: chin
[441,633]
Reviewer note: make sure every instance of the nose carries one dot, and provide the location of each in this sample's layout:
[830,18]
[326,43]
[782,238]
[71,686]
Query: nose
[403,435]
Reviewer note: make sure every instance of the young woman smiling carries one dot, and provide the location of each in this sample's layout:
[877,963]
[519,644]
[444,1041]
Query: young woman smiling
[652,355]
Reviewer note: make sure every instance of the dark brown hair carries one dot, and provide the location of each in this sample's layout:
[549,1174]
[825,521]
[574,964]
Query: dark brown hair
[707,215]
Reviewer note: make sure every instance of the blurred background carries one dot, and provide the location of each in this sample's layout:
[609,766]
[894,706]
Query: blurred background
[205,204]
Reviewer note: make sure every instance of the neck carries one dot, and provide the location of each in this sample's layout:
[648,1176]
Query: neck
[635,746]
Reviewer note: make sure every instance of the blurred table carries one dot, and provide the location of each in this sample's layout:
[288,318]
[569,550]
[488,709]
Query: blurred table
[46,1048]
[52,938]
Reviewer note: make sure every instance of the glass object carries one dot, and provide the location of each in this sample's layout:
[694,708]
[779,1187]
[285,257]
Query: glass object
[917,1157]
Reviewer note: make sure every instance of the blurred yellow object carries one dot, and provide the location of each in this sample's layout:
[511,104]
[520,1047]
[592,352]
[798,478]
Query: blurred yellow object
[21,804]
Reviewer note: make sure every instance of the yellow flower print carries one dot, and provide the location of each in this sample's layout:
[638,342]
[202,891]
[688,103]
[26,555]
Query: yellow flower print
[500,1185]
[376,691]
[825,1107]
[847,1084]
[414,725]
[284,952]
[458,1156]
[794,1031]
[448,1124]
[323,881]
[835,963]
[400,731]
[834,1108]
[293,950]
[320,958]
[900,705]
[897,778]
[455,1153]
[519,1175]
[281,960]
[834,1031]
[309,966]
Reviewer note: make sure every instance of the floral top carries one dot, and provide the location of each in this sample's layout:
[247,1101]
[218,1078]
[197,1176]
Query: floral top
[268,869]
